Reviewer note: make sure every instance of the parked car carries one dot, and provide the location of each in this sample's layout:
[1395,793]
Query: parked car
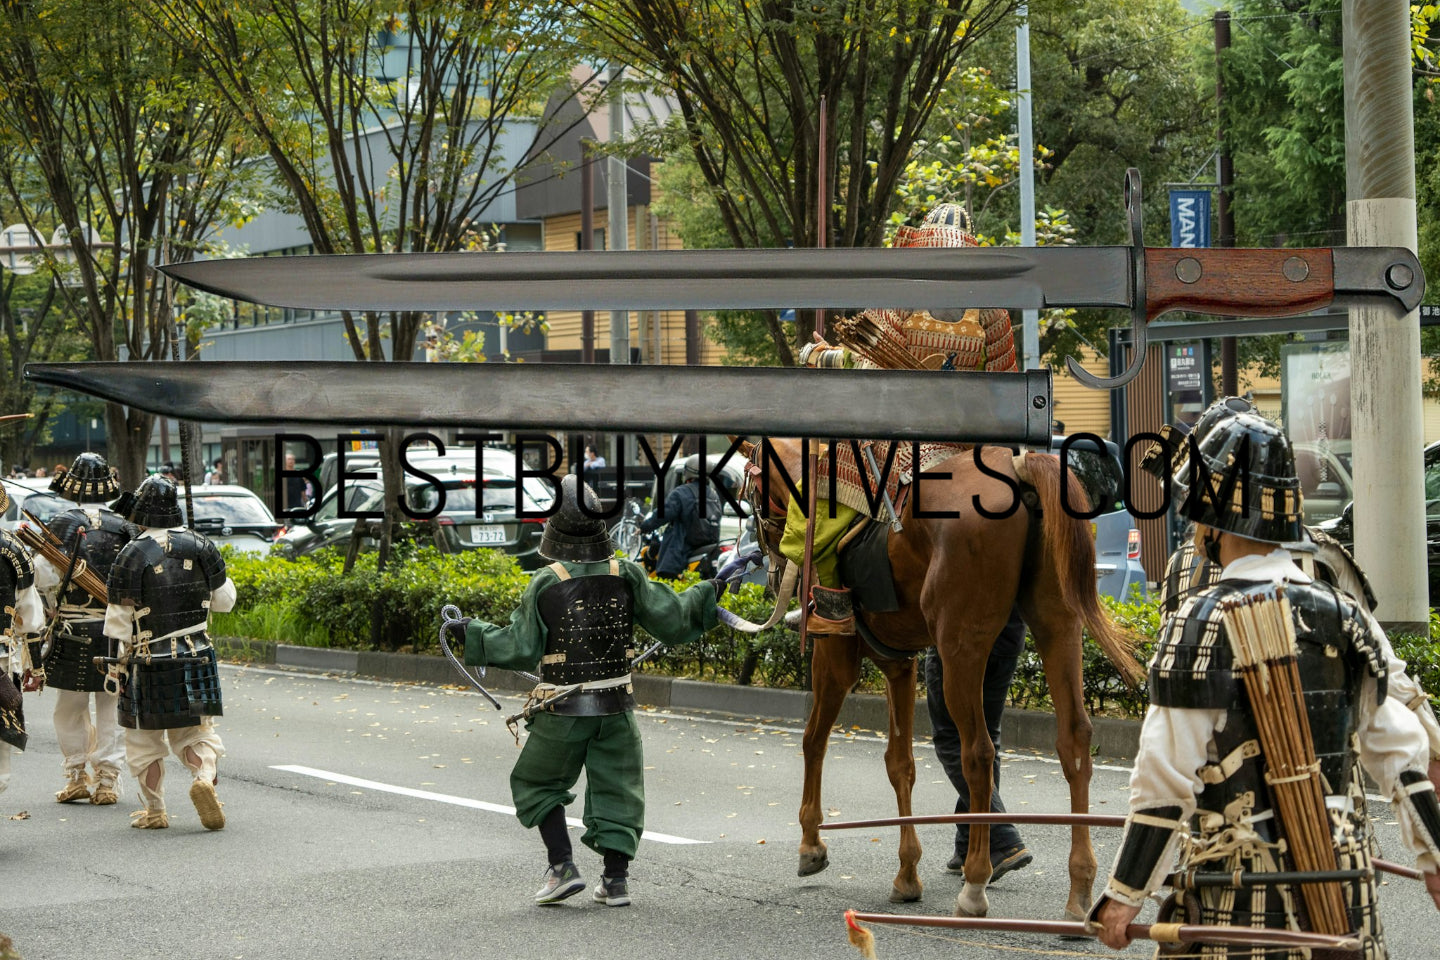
[1118,571]
[232,515]
[1342,528]
[39,501]
[497,525]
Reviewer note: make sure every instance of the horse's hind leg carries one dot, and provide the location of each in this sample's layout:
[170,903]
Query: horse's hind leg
[900,765]
[1057,635]
[834,668]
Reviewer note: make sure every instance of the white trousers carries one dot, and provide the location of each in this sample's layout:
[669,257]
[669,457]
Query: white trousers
[144,747]
[99,742]
[4,766]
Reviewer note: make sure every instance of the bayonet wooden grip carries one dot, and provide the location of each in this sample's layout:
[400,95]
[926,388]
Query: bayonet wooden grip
[1238,282]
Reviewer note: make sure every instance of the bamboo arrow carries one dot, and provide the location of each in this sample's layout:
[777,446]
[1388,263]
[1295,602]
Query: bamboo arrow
[1055,819]
[1158,932]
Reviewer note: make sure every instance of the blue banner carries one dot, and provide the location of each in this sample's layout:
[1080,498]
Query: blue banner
[1189,218]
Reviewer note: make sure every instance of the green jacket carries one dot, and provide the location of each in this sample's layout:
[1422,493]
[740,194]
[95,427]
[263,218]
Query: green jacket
[667,616]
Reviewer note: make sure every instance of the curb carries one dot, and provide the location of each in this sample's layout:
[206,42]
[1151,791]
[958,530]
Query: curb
[1036,730]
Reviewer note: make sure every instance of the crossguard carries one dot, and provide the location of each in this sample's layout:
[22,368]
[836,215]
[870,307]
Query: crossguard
[1139,320]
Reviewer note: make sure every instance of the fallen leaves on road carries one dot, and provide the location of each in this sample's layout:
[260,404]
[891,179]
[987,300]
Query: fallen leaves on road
[22,815]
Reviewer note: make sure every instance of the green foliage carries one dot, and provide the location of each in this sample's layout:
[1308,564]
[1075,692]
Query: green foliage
[1105,692]
[310,602]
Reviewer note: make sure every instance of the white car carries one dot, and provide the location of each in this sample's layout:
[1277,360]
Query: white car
[233,515]
[38,501]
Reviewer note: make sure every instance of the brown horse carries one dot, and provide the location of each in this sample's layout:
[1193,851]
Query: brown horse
[957,580]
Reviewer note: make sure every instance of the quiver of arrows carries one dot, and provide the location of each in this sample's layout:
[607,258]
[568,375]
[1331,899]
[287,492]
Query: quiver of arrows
[40,540]
[1262,638]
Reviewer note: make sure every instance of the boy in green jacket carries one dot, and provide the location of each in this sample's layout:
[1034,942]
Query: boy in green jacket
[576,620]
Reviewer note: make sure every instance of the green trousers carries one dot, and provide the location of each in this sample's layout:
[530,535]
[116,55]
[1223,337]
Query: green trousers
[608,750]
[828,532]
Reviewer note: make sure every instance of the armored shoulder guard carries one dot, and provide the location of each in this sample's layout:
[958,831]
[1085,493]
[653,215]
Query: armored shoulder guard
[16,565]
[1192,664]
[126,580]
[63,525]
[205,553]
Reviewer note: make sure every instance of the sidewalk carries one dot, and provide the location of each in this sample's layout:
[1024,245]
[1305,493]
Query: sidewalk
[1024,729]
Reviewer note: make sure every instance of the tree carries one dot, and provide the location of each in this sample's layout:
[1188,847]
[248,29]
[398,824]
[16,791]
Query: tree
[103,131]
[385,128]
[749,78]
[35,327]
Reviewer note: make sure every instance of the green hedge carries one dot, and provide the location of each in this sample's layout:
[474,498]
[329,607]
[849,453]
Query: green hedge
[310,602]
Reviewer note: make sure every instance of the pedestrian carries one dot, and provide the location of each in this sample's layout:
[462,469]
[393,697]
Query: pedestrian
[39,472]
[162,588]
[1007,851]
[686,529]
[216,473]
[79,636]
[577,620]
[296,489]
[593,460]
[1203,782]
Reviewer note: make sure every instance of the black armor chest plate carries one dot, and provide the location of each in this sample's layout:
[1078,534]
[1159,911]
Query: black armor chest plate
[589,624]
[16,574]
[1338,665]
[106,533]
[173,581]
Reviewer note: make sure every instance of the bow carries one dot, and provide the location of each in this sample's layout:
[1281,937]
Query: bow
[450,614]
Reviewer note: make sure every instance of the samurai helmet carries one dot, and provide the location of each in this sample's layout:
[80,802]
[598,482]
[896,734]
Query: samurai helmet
[155,503]
[572,535]
[949,215]
[87,481]
[690,469]
[1248,485]
[1173,447]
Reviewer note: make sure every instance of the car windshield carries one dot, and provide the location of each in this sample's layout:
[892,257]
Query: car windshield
[233,509]
[499,497]
[42,505]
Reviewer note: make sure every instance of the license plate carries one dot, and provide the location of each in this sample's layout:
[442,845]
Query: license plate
[487,534]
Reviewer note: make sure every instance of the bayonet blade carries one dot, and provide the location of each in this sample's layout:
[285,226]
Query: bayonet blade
[754,401]
[912,278]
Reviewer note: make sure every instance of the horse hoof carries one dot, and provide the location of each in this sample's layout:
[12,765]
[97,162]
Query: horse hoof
[900,894]
[812,863]
[972,901]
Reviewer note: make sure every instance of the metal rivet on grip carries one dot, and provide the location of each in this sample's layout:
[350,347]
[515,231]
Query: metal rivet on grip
[1399,276]
[1188,270]
[1038,403]
[1296,269]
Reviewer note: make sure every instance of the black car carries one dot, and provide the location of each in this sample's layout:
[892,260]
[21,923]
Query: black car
[497,525]
[1342,528]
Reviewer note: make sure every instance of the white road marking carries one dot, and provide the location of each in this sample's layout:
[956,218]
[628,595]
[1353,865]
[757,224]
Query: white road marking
[448,798]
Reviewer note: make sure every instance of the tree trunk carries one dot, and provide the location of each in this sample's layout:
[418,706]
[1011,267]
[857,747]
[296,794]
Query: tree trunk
[127,442]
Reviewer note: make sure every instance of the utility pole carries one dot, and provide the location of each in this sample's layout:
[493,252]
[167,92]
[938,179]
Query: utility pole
[1030,324]
[1385,371]
[1224,176]
[587,242]
[618,237]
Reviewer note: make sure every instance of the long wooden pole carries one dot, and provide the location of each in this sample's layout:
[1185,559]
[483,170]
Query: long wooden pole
[1159,932]
[812,461]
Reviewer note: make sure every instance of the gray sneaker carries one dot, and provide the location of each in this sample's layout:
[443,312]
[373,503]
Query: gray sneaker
[560,882]
[612,892]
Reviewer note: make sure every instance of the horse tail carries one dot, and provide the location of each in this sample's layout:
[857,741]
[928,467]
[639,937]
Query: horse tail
[1072,549]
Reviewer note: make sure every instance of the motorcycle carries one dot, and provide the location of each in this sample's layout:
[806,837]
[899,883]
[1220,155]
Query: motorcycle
[644,548]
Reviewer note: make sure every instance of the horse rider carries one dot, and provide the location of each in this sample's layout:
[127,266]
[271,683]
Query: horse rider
[693,521]
[79,634]
[577,620]
[979,340]
[1202,781]
[162,588]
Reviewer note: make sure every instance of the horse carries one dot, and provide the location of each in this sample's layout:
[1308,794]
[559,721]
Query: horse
[957,580]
